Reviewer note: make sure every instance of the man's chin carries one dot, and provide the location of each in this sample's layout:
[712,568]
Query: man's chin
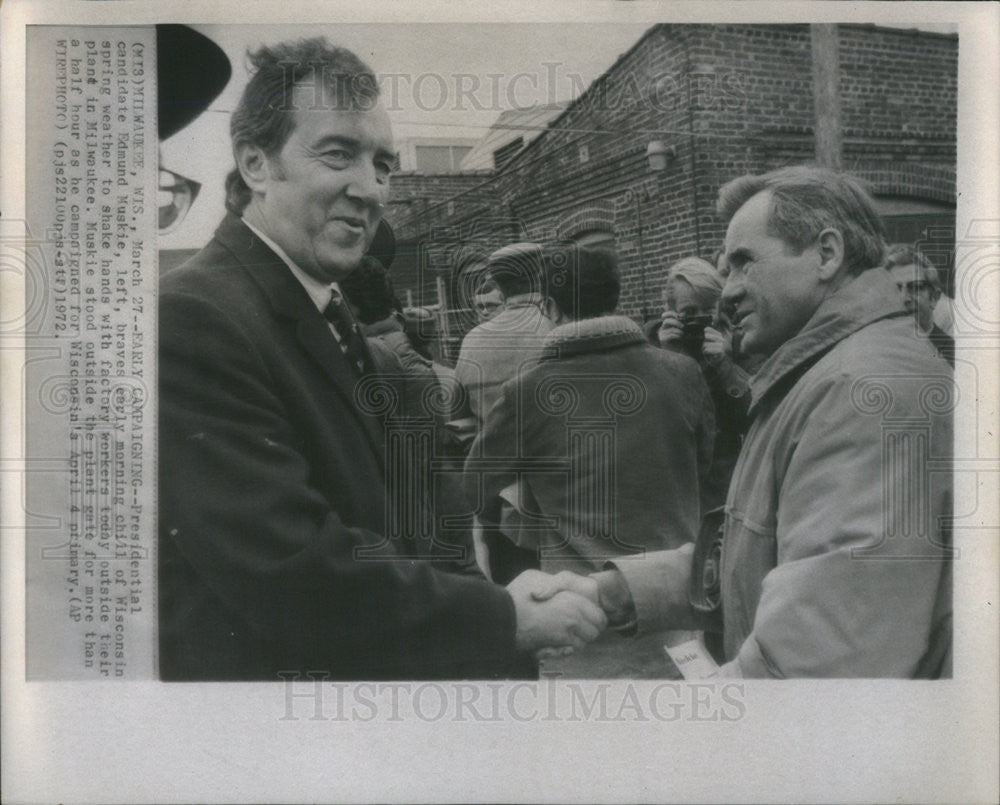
[751,346]
[337,264]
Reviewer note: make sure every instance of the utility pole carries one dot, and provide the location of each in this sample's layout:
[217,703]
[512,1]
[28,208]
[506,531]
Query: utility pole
[826,94]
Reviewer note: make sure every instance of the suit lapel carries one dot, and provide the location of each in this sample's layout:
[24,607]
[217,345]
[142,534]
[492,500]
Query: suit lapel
[289,299]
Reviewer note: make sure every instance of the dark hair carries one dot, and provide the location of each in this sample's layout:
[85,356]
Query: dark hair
[805,200]
[582,280]
[265,115]
[370,290]
[517,268]
[903,254]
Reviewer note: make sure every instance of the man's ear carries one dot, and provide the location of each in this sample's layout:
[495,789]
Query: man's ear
[831,253]
[253,166]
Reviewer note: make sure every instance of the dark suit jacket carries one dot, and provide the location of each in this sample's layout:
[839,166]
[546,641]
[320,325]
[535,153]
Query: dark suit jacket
[271,478]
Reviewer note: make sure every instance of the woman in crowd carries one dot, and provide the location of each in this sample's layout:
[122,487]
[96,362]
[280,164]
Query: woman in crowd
[693,324]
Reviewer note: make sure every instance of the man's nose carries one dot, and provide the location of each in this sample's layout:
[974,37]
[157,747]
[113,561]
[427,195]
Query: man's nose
[732,290]
[366,187]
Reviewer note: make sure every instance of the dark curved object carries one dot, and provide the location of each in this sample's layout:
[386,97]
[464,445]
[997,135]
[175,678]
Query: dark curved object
[191,71]
[383,245]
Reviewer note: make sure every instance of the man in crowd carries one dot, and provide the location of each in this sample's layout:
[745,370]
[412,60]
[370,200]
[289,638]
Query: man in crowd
[599,448]
[488,300]
[511,340]
[917,280]
[501,347]
[273,550]
[834,549]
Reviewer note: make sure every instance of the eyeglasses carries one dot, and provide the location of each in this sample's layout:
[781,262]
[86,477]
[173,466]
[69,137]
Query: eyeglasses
[487,307]
[176,195]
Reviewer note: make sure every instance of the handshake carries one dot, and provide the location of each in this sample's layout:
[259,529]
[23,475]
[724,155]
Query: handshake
[557,614]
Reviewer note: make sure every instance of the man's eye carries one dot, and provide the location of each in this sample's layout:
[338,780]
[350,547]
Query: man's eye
[738,263]
[338,155]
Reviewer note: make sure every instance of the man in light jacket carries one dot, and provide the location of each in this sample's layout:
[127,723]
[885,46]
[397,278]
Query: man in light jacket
[833,558]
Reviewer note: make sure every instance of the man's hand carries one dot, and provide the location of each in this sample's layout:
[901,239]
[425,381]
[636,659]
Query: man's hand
[716,347]
[671,328]
[551,615]
[544,586]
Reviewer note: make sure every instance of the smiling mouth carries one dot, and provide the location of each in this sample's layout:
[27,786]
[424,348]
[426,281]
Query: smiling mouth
[353,223]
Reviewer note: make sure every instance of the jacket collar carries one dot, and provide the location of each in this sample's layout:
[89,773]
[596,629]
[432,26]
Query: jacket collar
[867,298]
[289,299]
[285,293]
[590,335]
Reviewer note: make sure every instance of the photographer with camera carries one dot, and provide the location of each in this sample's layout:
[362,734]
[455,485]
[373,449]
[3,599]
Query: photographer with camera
[693,325]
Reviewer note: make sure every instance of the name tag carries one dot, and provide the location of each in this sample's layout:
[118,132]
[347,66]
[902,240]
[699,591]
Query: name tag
[693,660]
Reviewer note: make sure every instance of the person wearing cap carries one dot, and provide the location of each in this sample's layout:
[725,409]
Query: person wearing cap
[511,340]
[276,555]
[507,343]
[598,450]
[918,283]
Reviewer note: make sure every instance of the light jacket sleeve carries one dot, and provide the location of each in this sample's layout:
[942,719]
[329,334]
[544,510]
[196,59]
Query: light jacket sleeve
[658,584]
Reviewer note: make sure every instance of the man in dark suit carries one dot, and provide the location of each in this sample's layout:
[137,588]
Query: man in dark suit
[274,552]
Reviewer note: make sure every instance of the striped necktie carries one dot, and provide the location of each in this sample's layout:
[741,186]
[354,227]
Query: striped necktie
[352,342]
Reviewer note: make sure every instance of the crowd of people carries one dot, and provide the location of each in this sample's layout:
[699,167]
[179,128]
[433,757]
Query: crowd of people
[581,490]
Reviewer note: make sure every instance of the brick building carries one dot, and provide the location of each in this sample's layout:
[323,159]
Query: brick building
[717,101]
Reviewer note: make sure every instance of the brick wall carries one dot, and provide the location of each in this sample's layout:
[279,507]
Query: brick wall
[418,197]
[730,99]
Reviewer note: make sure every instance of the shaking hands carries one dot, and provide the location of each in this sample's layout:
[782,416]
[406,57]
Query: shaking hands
[559,613]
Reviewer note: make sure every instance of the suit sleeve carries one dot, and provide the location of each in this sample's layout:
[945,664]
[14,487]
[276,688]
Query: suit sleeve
[856,586]
[240,508]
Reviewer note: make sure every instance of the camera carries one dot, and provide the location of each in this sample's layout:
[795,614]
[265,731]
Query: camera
[693,334]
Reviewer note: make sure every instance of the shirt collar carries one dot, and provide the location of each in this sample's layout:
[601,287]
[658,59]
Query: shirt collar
[320,293]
